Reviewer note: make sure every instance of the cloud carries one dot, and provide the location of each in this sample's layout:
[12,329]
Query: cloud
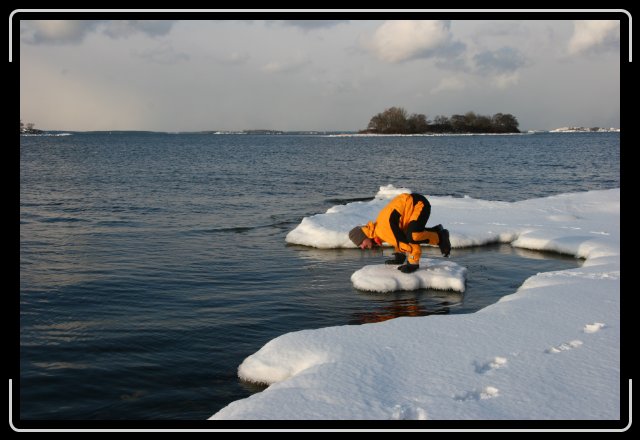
[75,31]
[505,60]
[233,58]
[500,66]
[56,31]
[307,25]
[449,84]
[126,28]
[594,36]
[162,54]
[402,40]
[287,66]
[505,80]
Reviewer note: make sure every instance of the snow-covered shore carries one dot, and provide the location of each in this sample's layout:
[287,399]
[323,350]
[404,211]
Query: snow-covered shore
[549,351]
[585,130]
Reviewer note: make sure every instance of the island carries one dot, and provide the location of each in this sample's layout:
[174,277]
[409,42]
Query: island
[396,120]
[29,128]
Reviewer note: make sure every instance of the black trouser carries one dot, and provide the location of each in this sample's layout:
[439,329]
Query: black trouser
[419,225]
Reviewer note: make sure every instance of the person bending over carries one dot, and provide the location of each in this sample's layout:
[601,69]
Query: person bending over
[402,224]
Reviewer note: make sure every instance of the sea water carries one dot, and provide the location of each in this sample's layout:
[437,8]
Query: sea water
[152,264]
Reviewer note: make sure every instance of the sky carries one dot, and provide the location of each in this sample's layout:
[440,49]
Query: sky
[192,75]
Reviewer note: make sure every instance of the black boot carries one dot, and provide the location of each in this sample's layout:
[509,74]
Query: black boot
[444,243]
[408,268]
[398,258]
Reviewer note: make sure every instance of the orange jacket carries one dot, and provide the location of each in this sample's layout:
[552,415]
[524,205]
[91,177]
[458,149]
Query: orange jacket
[392,223]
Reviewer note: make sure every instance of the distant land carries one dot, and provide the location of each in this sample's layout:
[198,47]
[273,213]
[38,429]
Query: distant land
[29,129]
[345,133]
[583,130]
[271,132]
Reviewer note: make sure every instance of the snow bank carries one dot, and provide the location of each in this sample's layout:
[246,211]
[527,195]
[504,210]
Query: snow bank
[331,229]
[549,351]
[554,223]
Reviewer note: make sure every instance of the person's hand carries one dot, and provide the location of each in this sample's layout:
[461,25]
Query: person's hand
[408,268]
[444,243]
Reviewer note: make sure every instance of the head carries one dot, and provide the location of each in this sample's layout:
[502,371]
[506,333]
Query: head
[358,237]
[368,243]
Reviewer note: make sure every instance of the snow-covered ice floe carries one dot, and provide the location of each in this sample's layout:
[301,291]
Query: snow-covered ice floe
[550,350]
[433,273]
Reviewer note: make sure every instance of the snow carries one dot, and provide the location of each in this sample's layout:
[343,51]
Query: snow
[433,274]
[549,351]
[331,229]
[584,130]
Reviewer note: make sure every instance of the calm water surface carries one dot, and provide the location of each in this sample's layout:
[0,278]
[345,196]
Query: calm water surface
[152,264]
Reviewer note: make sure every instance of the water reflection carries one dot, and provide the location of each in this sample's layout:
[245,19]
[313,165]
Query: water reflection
[494,270]
[340,254]
[428,302]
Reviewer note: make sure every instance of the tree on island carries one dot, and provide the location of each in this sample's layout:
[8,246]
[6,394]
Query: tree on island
[396,120]
[29,128]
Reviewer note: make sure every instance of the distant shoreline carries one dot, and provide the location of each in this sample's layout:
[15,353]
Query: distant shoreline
[30,131]
[584,130]
[328,133]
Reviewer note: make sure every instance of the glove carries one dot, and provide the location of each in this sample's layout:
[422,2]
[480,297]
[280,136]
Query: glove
[444,243]
[398,258]
[408,268]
